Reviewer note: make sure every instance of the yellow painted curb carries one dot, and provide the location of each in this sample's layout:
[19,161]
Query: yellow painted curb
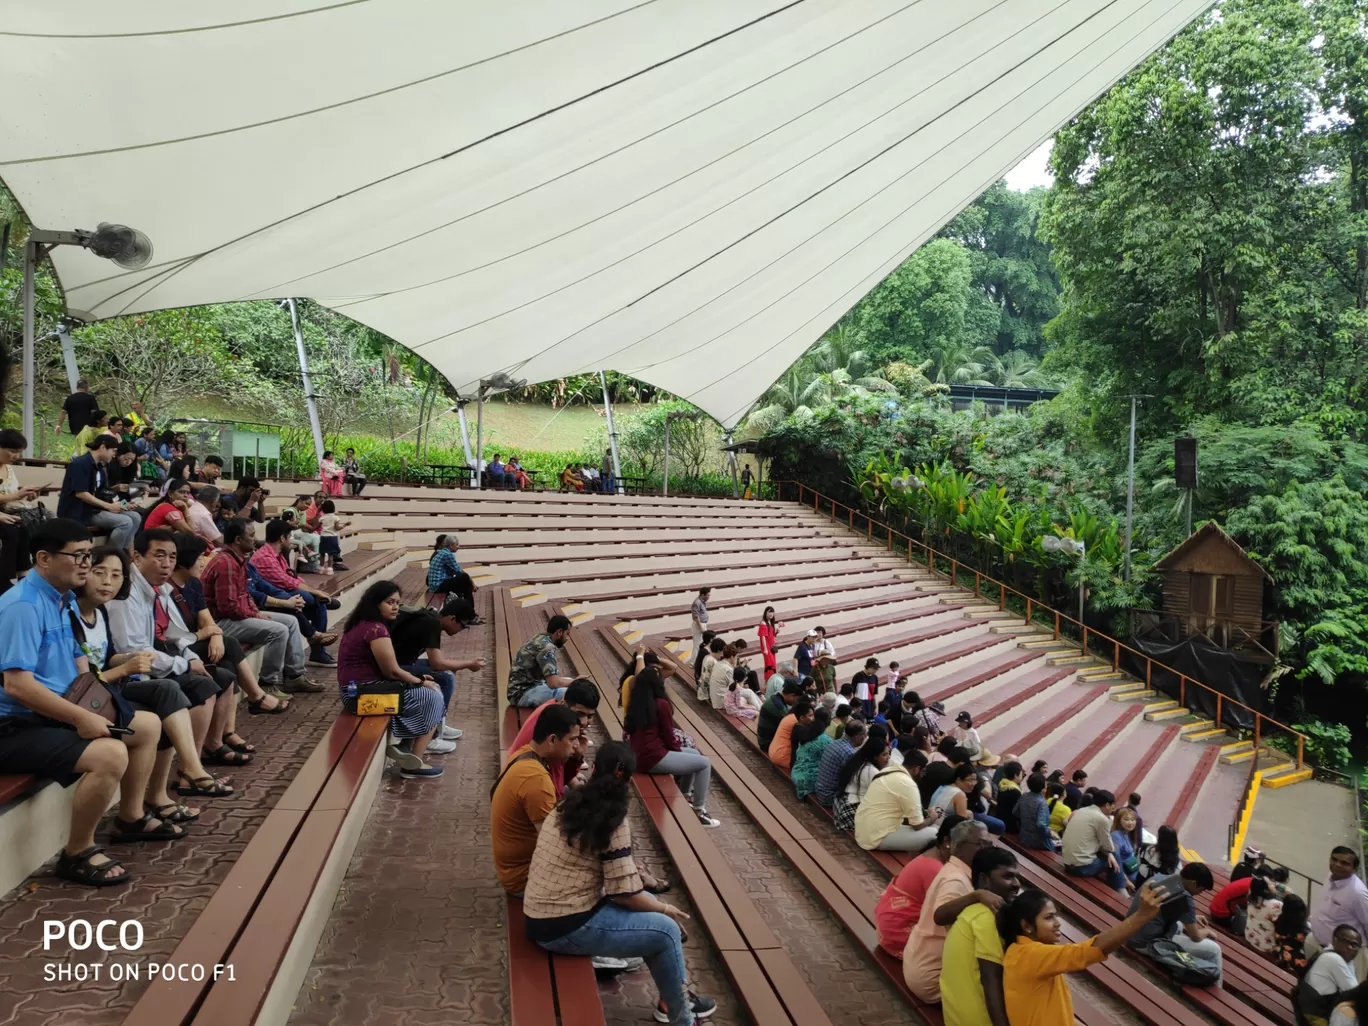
[1237,843]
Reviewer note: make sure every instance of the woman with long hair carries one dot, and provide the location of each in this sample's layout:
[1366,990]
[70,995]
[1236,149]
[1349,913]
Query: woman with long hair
[185,467]
[330,474]
[641,659]
[585,895]
[769,640]
[855,775]
[366,664]
[742,702]
[1163,857]
[1035,962]
[1122,832]
[810,740]
[1261,931]
[1290,930]
[172,509]
[649,727]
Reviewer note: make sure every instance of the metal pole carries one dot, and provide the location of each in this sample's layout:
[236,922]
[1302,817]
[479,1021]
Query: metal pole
[1130,492]
[612,435]
[69,357]
[1189,513]
[1082,563]
[308,382]
[30,265]
[465,441]
[479,437]
[665,476]
[731,453]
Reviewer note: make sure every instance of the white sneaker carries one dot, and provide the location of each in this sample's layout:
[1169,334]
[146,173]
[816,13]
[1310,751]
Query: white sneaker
[439,747]
[702,814]
[451,733]
[404,760]
[607,963]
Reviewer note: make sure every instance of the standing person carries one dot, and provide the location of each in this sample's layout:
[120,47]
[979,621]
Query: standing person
[366,664]
[769,641]
[803,656]
[649,727]
[1343,899]
[607,478]
[1088,848]
[78,408]
[330,538]
[351,473]
[535,675]
[86,497]
[866,683]
[950,893]
[523,795]
[417,637]
[1034,962]
[900,905]
[824,661]
[330,474]
[585,895]
[444,574]
[747,480]
[971,963]
[1178,920]
[698,617]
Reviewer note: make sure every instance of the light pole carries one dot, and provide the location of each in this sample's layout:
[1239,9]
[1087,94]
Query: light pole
[1059,543]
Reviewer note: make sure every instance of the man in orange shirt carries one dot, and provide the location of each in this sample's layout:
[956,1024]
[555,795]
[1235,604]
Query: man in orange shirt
[780,750]
[523,795]
[949,894]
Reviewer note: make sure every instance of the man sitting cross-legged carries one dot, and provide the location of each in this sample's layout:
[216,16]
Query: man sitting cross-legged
[44,734]
[417,638]
[535,675]
[225,591]
[133,622]
[272,562]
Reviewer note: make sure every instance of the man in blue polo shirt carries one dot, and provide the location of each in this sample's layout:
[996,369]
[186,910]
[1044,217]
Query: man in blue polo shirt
[44,734]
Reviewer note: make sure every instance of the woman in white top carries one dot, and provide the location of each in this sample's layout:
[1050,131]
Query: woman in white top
[720,676]
[953,798]
[854,778]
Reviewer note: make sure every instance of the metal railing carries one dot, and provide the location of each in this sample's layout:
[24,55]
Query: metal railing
[1033,607]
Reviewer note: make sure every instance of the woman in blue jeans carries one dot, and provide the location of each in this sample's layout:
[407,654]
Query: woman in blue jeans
[650,730]
[585,896]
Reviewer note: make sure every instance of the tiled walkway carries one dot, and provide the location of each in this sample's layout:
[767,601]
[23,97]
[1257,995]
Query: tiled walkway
[172,881]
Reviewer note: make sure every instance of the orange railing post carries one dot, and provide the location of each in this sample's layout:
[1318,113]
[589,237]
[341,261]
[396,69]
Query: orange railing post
[1116,655]
[1056,637]
[954,569]
[1028,612]
[1301,751]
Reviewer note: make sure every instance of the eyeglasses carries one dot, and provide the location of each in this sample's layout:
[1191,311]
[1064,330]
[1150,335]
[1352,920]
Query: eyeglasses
[79,558]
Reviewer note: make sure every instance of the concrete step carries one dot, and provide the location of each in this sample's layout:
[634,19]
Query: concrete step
[1048,644]
[1287,777]
[1014,629]
[1162,715]
[1105,675]
[1128,691]
[1202,736]
[1074,659]
[1237,752]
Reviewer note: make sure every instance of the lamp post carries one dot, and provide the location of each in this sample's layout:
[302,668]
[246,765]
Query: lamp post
[1059,543]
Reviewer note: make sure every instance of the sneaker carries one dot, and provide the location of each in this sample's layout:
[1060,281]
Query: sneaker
[325,571]
[606,964]
[451,733]
[340,566]
[703,1008]
[439,747]
[426,773]
[294,685]
[406,761]
[320,657]
[705,819]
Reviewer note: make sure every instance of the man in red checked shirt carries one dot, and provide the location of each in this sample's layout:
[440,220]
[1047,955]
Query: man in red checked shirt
[272,563]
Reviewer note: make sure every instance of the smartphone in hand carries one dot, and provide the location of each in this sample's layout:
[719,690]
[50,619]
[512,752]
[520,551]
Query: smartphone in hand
[1169,887]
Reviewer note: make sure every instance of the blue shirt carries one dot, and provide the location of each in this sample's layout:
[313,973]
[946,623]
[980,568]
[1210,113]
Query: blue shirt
[829,769]
[1033,813]
[82,475]
[442,566]
[36,635]
[261,589]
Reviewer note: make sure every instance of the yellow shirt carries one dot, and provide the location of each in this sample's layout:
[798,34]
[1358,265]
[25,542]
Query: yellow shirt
[523,798]
[1033,981]
[1059,816]
[974,937]
[627,692]
[891,798]
[926,942]
[88,434]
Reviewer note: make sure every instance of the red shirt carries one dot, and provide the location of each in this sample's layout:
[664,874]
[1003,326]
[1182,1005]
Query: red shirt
[900,905]
[524,738]
[652,743]
[163,516]
[275,568]
[1224,901]
[225,588]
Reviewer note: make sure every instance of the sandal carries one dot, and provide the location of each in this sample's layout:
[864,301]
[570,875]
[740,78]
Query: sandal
[255,709]
[197,789]
[79,869]
[125,832]
[224,755]
[245,747]
[173,813]
[658,887]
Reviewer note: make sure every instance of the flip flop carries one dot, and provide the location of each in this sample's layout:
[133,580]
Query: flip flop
[224,755]
[198,790]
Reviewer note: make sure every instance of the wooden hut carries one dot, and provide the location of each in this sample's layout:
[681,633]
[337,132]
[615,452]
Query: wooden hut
[1213,588]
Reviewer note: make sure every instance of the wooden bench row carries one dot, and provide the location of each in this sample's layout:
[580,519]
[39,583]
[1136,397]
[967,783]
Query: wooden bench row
[708,577]
[874,579]
[266,916]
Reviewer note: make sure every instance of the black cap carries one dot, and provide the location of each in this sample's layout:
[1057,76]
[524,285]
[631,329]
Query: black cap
[462,610]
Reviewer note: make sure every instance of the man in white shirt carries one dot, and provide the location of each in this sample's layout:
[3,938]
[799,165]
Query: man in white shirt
[1088,845]
[698,618]
[1342,901]
[1332,971]
[824,661]
[201,515]
[133,623]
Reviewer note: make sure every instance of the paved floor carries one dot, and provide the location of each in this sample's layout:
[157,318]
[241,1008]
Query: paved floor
[172,882]
[1298,825]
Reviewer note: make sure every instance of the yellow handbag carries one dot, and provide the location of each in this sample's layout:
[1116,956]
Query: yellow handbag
[377,705]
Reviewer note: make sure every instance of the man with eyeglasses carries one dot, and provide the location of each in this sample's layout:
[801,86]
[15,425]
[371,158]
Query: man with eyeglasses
[43,733]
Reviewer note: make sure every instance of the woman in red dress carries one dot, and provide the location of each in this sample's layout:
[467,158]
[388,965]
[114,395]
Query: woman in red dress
[769,640]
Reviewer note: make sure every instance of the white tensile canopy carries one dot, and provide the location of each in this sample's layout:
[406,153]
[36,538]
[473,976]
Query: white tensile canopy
[688,191]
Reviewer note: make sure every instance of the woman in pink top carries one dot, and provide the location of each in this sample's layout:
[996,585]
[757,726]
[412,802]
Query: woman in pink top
[900,905]
[330,474]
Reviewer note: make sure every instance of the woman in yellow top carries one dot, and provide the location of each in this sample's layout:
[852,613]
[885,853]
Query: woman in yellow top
[1035,961]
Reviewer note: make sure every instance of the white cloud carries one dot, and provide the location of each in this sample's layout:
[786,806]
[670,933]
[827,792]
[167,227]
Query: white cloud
[1032,171]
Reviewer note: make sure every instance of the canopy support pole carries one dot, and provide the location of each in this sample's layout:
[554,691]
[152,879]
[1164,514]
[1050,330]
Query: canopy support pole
[665,475]
[612,436]
[731,454]
[308,381]
[479,437]
[73,373]
[31,257]
[465,440]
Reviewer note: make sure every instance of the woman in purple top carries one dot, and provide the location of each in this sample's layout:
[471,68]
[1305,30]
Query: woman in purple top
[366,664]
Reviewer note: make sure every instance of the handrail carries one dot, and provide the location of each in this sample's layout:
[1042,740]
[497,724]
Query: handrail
[819,501]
